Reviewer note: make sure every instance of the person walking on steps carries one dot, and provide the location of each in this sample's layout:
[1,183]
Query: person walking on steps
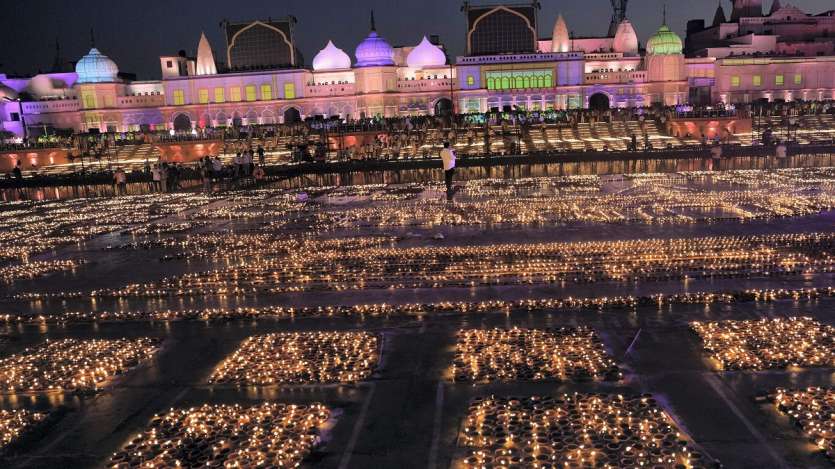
[448,158]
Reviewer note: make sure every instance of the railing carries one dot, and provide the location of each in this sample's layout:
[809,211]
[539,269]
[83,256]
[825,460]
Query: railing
[140,100]
[616,77]
[426,85]
[313,91]
[57,105]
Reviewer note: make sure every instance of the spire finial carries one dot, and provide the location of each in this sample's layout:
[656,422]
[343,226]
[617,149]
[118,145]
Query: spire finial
[92,38]
[665,13]
[373,23]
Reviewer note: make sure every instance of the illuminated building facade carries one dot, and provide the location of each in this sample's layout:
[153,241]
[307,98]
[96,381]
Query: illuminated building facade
[507,68]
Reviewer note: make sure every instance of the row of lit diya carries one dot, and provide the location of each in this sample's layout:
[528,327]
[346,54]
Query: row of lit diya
[35,227]
[422,309]
[569,353]
[501,264]
[564,430]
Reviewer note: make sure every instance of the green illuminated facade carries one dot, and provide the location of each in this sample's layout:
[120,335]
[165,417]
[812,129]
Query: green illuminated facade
[519,79]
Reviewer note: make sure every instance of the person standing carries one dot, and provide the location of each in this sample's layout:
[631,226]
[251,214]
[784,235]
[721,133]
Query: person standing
[121,182]
[163,178]
[18,174]
[261,155]
[247,163]
[238,162]
[448,157]
[156,175]
[206,174]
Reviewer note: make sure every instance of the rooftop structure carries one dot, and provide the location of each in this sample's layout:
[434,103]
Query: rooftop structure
[784,30]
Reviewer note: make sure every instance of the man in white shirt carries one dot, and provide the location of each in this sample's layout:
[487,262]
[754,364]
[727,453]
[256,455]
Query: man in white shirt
[448,157]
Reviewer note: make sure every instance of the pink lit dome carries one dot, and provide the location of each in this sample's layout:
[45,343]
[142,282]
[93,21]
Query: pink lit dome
[331,58]
[626,41]
[426,55]
[374,51]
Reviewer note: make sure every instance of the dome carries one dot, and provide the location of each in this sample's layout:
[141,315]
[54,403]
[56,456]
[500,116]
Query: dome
[96,67]
[626,41]
[426,55]
[374,51]
[331,58]
[665,42]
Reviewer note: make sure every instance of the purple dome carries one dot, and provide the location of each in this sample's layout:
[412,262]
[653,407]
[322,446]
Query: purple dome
[374,51]
[331,58]
[426,55]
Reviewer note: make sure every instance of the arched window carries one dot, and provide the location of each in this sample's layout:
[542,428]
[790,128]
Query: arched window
[526,81]
[491,83]
[505,83]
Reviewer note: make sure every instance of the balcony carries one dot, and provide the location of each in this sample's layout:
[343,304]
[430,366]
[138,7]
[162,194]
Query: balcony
[339,89]
[615,77]
[441,84]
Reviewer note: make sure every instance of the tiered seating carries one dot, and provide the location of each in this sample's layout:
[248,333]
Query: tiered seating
[503,139]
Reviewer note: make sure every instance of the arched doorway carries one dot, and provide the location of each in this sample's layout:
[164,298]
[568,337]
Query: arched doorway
[182,123]
[443,107]
[268,117]
[292,116]
[599,102]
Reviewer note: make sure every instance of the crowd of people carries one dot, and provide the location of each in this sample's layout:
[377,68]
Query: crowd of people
[476,134]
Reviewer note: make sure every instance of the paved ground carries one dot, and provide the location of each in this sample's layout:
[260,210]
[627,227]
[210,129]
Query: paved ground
[407,415]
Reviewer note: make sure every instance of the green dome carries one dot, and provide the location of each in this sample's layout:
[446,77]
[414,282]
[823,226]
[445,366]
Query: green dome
[665,42]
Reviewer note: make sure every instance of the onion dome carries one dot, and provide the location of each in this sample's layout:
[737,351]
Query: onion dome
[96,67]
[426,55]
[665,42]
[331,58]
[626,40]
[374,51]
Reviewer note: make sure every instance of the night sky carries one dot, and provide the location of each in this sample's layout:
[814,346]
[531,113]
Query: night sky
[136,33]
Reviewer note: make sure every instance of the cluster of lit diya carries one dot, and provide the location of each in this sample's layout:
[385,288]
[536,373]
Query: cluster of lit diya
[264,203]
[71,365]
[164,228]
[423,309]
[16,423]
[297,358]
[35,269]
[768,343]
[655,198]
[29,228]
[503,264]
[229,436]
[574,430]
[223,246]
[531,355]
[812,410]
